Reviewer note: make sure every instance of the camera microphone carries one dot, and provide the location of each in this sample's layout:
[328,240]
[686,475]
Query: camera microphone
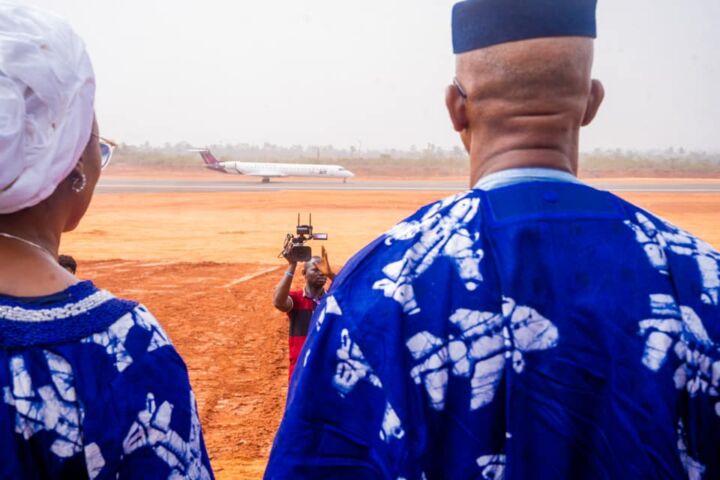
[295,248]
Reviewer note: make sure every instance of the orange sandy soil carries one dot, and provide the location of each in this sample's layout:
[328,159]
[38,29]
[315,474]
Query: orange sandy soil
[205,264]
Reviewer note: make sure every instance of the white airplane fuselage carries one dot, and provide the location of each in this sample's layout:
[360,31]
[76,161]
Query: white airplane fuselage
[266,171]
[274,170]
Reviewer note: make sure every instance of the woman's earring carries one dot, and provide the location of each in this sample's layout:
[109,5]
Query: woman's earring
[79,183]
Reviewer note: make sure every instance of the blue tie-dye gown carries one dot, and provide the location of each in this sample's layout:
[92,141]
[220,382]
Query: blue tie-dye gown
[542,330]
[92,388]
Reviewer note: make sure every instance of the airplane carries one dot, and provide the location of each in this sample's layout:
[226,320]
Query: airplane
[273,170]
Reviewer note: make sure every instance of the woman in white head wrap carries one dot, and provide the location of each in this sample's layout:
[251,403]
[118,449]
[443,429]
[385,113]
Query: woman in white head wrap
[92,387]
[49,153]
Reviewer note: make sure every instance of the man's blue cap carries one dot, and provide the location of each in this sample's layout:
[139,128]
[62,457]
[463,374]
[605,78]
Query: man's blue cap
[482,23]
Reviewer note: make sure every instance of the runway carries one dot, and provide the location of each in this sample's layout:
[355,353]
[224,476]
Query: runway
[120,185]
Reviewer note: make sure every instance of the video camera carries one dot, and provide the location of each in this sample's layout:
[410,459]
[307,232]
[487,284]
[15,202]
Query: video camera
[295,249]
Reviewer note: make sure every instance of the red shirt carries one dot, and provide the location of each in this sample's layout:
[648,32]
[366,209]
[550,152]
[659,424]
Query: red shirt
[300,316]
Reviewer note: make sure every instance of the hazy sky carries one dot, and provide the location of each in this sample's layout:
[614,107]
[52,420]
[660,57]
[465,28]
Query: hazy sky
[370,72]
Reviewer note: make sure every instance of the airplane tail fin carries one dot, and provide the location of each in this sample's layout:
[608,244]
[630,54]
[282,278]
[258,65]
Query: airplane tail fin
[209,158]
[210,161]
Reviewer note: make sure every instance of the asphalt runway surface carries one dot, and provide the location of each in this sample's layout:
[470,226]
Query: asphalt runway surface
[119,185]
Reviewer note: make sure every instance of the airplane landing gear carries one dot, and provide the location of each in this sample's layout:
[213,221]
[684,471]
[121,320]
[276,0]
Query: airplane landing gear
[344,180]
[266,180]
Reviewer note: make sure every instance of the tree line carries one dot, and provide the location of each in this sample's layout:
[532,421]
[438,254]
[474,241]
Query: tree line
[417,161]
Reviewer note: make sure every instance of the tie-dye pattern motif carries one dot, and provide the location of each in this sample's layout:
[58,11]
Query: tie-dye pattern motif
[351,369]
[658,241]
[115,337]
[485,342]
[439,235]
[91,407]
[52,407]
[152,429]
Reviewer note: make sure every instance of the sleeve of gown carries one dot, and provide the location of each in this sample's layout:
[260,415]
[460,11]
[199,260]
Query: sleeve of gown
[338,422]
[699,376]
[152,428]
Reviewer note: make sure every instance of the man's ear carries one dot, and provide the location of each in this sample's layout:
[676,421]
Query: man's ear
[597,94]
[456,105]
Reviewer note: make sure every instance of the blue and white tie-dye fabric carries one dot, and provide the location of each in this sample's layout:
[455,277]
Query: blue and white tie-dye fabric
[537,330]
[93,389]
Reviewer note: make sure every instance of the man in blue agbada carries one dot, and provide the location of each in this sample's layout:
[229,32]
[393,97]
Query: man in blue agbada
[531,327]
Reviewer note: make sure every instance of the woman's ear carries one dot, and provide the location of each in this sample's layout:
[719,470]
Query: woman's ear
[78,178]
[79,169]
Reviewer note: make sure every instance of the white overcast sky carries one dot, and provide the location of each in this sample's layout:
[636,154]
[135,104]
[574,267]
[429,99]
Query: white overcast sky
[370,72]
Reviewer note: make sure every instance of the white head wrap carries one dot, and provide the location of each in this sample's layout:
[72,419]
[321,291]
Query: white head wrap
[47,93]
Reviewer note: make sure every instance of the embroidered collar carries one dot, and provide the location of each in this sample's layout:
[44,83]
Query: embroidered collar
[19,313]
[78,311]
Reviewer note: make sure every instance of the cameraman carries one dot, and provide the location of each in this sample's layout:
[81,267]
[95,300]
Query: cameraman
[300,304]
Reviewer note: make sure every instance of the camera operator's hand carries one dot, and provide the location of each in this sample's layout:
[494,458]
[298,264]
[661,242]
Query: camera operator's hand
[286,251]
[324,266]
[292,263]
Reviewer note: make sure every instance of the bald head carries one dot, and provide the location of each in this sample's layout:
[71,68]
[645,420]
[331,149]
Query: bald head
[547,69]
[527,95]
